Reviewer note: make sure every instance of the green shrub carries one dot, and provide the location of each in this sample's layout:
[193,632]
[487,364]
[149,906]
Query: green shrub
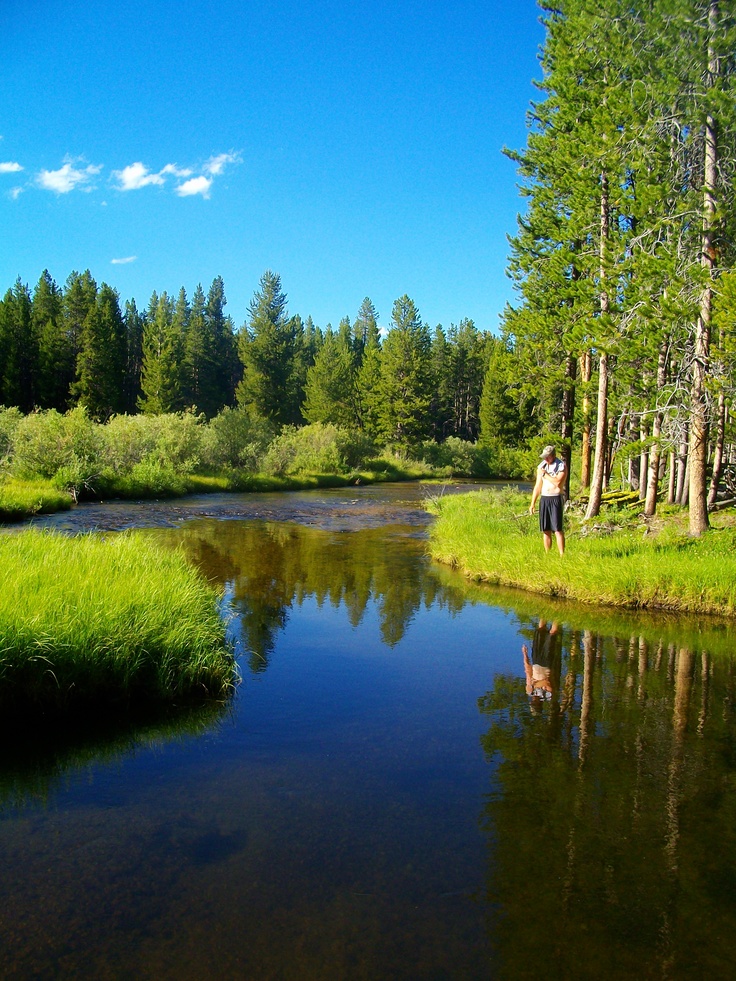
[179,443]
[9,421]
[67,449]
[173,439]
[510,462]
[236,439]
[129,440]
[454,456]
[312,449]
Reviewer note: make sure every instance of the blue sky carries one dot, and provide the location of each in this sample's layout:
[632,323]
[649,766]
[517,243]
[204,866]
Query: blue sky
[352,147]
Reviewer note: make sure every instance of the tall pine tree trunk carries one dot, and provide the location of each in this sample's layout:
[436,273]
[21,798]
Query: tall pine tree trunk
[655,454]
[585,376]
[568,412]
[671,478]
[643,458]
[601,428]
[698,457]
[718,452]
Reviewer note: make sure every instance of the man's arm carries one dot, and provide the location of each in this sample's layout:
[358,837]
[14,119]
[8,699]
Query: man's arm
[536,492]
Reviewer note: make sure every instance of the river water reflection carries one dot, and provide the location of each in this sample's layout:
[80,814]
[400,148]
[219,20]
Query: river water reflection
[382,798]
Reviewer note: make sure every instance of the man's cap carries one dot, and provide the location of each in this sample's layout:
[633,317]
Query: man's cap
[547,451]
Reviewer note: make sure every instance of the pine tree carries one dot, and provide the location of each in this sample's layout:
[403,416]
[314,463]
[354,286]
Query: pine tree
[100,385]
[198,367]
[330,394]
[222,366]
[467,367]
[55,355]
[367,386]
[19,350]
[440,410]
[162,357]
[79,298]
[366,325]
[268,349]
[405,384]
[134,329]
[506,410]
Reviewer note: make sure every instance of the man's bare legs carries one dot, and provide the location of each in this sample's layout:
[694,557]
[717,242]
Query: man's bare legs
[547,539]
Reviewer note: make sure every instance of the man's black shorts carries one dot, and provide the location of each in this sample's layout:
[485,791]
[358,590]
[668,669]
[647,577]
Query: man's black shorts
[550,512]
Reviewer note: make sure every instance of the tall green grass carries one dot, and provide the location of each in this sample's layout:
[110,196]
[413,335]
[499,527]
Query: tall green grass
[20,499]
[105,619]
[491,537]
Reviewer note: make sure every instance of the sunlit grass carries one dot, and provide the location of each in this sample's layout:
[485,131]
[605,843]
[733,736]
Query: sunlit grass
[105,618]
[22,498]
[491,537]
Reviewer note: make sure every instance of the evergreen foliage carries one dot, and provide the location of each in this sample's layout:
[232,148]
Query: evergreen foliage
[269,349]
[405,380]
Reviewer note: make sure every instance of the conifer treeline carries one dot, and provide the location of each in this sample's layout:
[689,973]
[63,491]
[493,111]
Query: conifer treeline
[624,260]
[77,345]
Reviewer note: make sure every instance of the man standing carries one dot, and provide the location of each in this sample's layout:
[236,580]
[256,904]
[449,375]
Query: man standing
[548,488]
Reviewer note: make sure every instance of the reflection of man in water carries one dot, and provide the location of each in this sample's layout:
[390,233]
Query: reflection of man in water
[543,669]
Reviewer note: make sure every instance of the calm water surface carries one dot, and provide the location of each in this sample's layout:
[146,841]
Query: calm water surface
[382,799]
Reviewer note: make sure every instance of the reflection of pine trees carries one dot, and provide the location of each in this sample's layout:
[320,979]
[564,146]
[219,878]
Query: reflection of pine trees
[272,565]
[612,822]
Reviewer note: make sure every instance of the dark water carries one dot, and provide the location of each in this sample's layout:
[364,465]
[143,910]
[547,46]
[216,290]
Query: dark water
[381,799]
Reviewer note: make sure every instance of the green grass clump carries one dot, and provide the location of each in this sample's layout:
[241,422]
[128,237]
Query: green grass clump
[100,619]
[20,499]
[491,537]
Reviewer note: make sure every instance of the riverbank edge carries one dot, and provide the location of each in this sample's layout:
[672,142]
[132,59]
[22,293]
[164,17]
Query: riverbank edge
[489,537]
[21,500]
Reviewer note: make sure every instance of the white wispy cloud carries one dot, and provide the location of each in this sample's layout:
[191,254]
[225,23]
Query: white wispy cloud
[10,167]
[70,176]
[197,185]
[177,171]
[125,261]
[15,192]
[76,174]
[216,165]
[135,176]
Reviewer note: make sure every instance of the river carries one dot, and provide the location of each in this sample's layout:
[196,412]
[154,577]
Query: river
[382,798]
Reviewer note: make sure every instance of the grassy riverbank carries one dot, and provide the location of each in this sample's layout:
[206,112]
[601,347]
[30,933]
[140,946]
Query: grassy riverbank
[99,619]
[20,499]
[619,560]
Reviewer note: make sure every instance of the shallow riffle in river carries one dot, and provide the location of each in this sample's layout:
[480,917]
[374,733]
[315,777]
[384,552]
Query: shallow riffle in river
[383,797]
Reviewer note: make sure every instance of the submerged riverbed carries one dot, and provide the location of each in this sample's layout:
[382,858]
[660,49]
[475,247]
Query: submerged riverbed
[382,798]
